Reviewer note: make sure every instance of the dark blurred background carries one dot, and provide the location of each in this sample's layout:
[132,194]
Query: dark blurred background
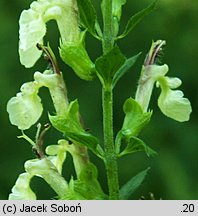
[173,173]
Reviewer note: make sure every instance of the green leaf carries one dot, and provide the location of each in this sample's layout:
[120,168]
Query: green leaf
[135,145]
[69,122]
[87,140]
[135,119]
[125,67]
[108,64]
[135,19]
[129,188]
[87,15]
[70,125]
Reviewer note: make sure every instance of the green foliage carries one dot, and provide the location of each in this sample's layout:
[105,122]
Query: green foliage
[135,145]
[135,120]
[135,19]
[87,15]
[125,68]
[71,127]
[129,188]
[108,64]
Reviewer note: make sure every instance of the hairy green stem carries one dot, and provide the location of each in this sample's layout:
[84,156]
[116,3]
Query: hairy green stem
[108,39]
[110,155]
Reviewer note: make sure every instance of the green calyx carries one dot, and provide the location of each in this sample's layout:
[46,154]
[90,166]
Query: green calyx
[76,56]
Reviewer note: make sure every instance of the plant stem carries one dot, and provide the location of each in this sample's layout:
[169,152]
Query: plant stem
[108,39]
[110,155]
